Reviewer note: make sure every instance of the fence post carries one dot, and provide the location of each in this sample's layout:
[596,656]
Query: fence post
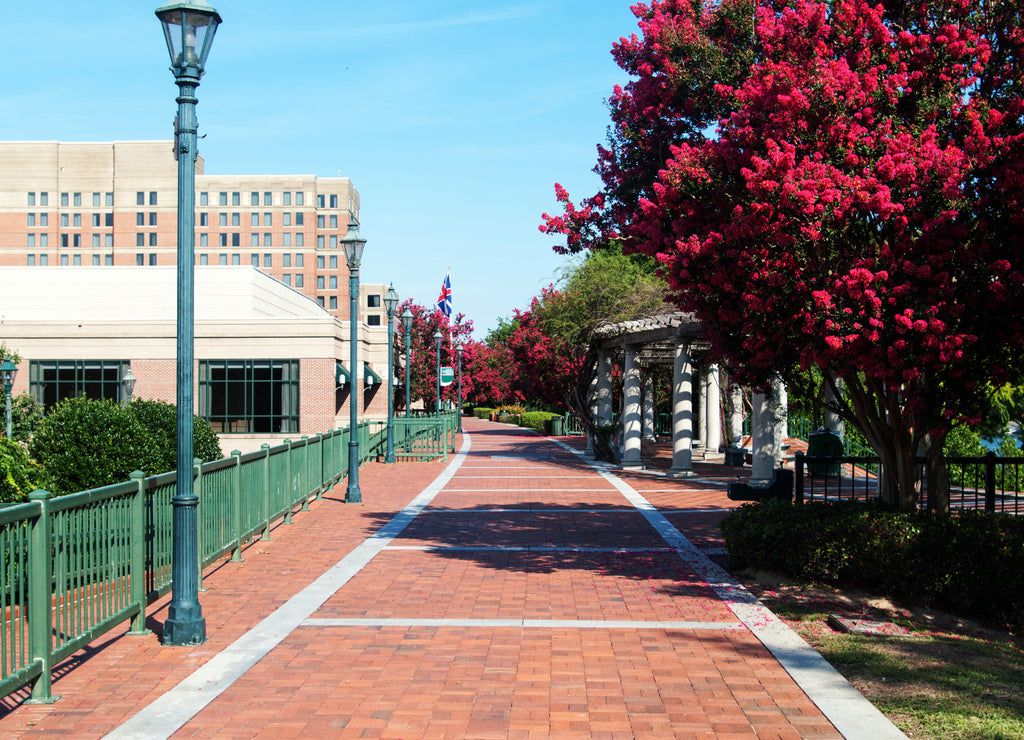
[197,476]
[309,475]
[40,613]
[137,554]
[799,463]
[990,481]
[236,507]
[287,488]
[323,468]
[266,491]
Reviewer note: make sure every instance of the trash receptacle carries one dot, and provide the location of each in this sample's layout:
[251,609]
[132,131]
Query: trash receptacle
[824,443]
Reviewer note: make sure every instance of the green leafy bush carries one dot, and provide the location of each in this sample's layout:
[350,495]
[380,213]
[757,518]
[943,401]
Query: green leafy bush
[84,443]
[26,416]
[161,422]
[19,474]
[482,412]
[535,419]
[969,563]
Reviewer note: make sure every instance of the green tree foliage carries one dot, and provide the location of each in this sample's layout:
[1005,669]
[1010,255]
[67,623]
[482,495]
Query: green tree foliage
[161,422]
[83,444]
[26,416]
[19,475]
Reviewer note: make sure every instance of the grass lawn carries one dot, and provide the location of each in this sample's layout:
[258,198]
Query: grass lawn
[948,678]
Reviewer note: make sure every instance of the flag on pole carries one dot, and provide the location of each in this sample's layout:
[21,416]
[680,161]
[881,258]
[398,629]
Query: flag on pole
[444,301]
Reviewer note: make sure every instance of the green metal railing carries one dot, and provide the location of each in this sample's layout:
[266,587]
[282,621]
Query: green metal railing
[76,566]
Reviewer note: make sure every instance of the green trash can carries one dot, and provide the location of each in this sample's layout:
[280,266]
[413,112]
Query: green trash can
[824,443]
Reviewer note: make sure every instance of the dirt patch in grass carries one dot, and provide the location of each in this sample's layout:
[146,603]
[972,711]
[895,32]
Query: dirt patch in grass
[950,677]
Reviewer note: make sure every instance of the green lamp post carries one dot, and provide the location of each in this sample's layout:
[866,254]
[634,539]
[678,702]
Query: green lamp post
[390,304]
[354,244]
[437,345]
[458,356]
[407,319]
[189,27]
[7,371]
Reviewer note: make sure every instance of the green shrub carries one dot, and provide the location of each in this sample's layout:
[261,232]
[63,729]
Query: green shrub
[969,563]
[19,474]
[26,416]
[161,422]
[535,419]
[482,412]
[84,443]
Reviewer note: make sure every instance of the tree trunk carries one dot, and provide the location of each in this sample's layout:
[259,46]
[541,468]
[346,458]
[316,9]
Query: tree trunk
[938,474]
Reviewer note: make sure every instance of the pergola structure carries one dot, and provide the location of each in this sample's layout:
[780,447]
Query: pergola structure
[677,339]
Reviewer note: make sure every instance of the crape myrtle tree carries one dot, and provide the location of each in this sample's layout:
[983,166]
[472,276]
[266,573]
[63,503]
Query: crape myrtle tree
[551,346]
[423,367]
[833,184]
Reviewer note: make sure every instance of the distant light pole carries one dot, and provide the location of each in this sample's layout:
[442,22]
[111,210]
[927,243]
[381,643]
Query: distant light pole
[189,27]
[458,355]
[390,304]
[437,344]
[407,319]
[128,381]
[7,372]
[353,243]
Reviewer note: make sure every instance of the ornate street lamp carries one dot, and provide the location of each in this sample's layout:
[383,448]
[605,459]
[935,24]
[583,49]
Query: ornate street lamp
[353,243]
[407,319]
[7,372]
[189,27]
[128,382]
[458,355]
[390,304]
[437,345]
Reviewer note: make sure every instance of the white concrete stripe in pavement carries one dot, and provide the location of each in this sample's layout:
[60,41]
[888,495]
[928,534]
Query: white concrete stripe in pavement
[599,624]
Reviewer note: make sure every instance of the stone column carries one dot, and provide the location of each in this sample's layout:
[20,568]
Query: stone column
[649,434]
[713,412]
[631,412]
[768,430]
[735,416]
[682,413]
[603,401]
[592,407]
[833,421]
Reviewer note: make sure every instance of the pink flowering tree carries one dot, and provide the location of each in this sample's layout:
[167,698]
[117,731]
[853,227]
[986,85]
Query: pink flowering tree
[835,184]
[423,363]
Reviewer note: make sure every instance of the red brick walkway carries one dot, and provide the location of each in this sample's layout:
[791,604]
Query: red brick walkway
[528,599]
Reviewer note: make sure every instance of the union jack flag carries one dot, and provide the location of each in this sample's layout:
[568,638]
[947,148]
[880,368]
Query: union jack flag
[444,301]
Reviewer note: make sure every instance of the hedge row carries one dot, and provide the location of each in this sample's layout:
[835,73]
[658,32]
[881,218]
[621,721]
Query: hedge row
[971,563]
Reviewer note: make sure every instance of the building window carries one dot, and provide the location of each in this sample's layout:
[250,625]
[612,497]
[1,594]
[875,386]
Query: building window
[236,239]
[108,219]
[254,260]
[250,396]
[44,199]
[373,301]
[268,260]
[152,258]
[76,260]
[286,239]
[254,239]
[320,300]
[300,239]
[333,262]
[320,241]
[334,241]
[204,240]
[300,199]
[268,240]
[268,199]
[76,220]
[299,280]
[334,221]
[31,199]
[63,260]
[222,219]
[222,259]
[76,200]
[63,200]
[321,221]
[223,240]
[95,260]
[204,219]
[319,201]
[96,199]
[44,219]
[299,220]
[140,219]
[319,262]
[76,240]
[334,200]
[254,198]
[204,199]
[95,241]
[63,240]
[286,198]
[31,260]
[110,199]
[319,282]
[373,319]
[152,218]
[31,219]
[299,260]
[140,259]
[204,259]
[332,282]
[236,219]
[236,199]
[222,198]
[268,219]
[286,260]
[51,381]
[64,220]
[236,259]
[334,303]
[254,219]
[108,240]
[140,198]
[287,278]
[152,239]
[44,240]
[31,243]
[286,219]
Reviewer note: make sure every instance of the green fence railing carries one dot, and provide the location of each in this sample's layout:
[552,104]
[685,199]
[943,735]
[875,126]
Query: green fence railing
[76,566]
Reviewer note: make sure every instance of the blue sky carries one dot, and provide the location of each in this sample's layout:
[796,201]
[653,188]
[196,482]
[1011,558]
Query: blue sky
[453,118]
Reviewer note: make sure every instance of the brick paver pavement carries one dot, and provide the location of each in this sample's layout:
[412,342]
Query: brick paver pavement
[531,596]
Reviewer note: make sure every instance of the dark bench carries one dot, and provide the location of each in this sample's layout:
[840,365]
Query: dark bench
[780,487]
